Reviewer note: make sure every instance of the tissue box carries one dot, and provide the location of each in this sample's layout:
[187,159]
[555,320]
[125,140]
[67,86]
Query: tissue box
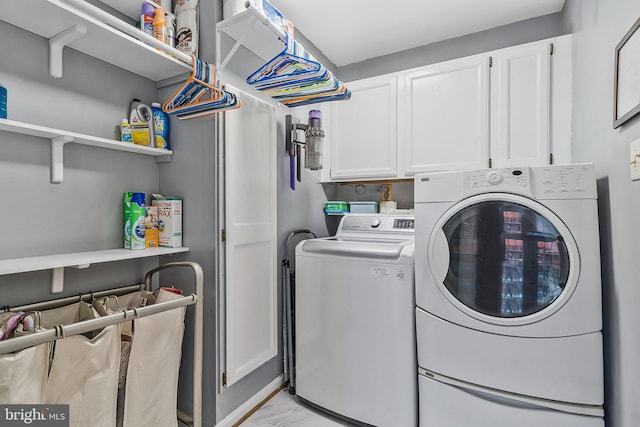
[169,221]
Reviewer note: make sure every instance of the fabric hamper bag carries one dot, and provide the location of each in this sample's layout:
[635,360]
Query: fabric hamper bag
[23,374]
[149,395]
[84,369]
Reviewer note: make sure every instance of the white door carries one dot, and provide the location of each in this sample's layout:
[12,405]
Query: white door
[520,100]
[363,130]
[444,118]
[251,226]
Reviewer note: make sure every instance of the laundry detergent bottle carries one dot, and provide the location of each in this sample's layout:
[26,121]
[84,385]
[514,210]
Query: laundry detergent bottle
[161,126]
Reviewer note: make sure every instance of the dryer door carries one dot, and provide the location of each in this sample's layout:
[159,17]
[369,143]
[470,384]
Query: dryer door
[504,259]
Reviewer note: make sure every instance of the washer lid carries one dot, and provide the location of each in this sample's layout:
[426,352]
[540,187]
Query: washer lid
[504,259]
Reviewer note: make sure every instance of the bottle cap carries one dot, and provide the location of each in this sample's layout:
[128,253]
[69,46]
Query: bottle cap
[147,9]
[156,104]
[125,121]
[160,14]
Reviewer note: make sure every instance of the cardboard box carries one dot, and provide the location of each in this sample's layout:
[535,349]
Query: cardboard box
[169,221]
[151,223]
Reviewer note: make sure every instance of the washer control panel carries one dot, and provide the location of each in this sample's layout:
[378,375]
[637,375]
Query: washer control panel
[377,223]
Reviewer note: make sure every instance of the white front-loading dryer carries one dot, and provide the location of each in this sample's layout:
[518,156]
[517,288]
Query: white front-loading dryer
[508,283]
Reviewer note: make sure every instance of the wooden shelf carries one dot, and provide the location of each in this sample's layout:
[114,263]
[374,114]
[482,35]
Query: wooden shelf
[79,260]
[59,138]
[49,18]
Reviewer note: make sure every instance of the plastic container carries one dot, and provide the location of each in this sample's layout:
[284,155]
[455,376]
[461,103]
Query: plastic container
[336,207]
[3,102]
[187,26]
[363,207]
[171,29]
[125,132]
[146,18]
[313,137]
[160,126]
[160,26]
[138,216]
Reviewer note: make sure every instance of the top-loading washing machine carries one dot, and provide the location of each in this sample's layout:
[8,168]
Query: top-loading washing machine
[355,321]
[508,288]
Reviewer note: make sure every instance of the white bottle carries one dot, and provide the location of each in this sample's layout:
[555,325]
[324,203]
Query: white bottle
[125,132]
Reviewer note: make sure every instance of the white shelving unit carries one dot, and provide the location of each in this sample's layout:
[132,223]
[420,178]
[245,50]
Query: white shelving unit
[59,138]
[79,260]
[65,25]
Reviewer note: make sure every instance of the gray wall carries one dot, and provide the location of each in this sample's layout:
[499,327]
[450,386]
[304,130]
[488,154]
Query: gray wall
[496,38]
[85,211]
[597,27]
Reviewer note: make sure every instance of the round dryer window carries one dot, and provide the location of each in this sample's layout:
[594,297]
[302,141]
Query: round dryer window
[510,259]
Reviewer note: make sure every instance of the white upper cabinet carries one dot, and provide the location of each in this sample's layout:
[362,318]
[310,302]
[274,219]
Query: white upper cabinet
[506,108]
[444,116]
[363,130]
[520,105]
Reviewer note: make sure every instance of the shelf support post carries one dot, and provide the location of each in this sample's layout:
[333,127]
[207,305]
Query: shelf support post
[57,280]
[57,42]
[57,157]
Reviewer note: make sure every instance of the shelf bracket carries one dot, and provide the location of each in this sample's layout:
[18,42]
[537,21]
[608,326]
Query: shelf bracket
[57,280]
[57,42]
[235,47]
[57,157]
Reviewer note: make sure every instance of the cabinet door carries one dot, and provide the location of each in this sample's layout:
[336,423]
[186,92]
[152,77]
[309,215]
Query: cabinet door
[520,82]
[363,130]
[444,116]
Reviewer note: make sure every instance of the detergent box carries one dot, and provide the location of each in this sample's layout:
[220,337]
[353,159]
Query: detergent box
[169,221]
[151,224]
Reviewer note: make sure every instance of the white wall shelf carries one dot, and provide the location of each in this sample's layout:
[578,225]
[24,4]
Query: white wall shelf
[59,138]
[78,260]
[50,18]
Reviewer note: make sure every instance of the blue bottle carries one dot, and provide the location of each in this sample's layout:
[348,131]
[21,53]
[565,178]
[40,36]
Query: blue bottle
[3,102]
[161,127]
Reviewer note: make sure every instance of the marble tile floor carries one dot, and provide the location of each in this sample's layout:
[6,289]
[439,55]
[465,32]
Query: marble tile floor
[284,410]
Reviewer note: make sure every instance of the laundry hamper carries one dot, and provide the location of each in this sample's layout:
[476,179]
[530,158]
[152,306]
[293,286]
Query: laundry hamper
[84,369]
[149,393]
[23,374]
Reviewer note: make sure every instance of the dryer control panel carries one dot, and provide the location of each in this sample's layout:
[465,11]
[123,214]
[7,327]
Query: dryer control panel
[543,182]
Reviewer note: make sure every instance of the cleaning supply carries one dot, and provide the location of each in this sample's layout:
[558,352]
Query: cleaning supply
[141,121]
[146,18]
[169,220]
[127,219]
[137,220]
[125,132]
[171,28]
[3,102]
[187,26]
[160,126]
[160,26]
[151,225]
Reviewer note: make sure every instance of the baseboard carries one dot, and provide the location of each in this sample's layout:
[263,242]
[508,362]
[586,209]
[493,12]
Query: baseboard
[248,406]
